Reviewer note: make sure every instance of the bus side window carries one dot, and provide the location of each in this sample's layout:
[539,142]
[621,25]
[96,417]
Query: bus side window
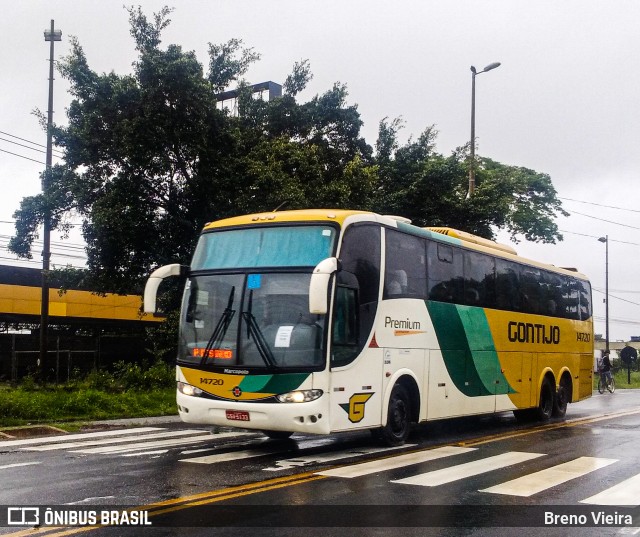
[445,272]
[405,270]
[508,295]
[479,280]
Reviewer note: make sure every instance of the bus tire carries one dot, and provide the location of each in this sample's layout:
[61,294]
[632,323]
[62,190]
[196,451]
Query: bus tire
[277,435]
[546,401]
[561,399]
[398,425]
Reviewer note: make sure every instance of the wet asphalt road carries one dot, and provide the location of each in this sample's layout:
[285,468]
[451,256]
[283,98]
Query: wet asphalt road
[474,476]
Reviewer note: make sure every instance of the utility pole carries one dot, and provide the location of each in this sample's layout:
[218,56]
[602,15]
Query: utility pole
[52,36]
[472,167]
[605,239]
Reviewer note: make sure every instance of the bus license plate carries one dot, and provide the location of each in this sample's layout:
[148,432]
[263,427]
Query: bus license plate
[238,415]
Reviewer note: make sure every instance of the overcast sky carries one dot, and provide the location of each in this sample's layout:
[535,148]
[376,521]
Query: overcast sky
[564,101]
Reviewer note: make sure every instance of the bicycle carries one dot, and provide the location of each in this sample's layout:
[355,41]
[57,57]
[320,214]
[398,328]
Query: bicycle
[604,385]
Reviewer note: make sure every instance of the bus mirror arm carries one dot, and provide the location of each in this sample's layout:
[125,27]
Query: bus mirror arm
[154,281]
[319,284]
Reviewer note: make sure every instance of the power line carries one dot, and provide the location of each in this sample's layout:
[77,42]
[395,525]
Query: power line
[13,222]
[601,205]
[69,256]
[24,140]
[596,237]
[22,156]
[616,321]
[27,147]
[617,297]
[607,221]
[33,262]
[73,245]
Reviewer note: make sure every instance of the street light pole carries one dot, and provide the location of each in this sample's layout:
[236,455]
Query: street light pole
[51,36]
[472,167]
[605,239]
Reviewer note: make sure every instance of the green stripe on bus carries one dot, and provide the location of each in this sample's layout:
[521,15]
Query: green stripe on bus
[467,348]
[283,383]
[286,382]
[483,352]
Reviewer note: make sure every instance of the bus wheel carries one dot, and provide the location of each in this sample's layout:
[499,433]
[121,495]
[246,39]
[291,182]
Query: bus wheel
[561,399]
[396,431]
[547,397]
[277,435]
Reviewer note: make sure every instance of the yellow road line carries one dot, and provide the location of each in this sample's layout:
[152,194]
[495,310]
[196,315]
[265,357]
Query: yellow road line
[549,427]
[203,498]
[183,502]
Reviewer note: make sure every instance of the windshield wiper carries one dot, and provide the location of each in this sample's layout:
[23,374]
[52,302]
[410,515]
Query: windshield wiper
[253,331]
[221,328]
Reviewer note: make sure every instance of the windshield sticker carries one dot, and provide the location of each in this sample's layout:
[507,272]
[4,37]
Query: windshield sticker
[254,281]
[202,298]
[283,337]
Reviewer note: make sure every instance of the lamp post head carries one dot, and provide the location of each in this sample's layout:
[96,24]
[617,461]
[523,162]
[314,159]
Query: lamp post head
[473,69]
[491,66]
[603,239]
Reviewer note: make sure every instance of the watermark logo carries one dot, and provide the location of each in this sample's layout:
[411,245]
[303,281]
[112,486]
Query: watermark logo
[23,516]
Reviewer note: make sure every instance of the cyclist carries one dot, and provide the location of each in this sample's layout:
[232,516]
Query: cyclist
[605,368]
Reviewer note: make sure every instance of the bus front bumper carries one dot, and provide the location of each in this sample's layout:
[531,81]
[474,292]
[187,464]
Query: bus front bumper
[310,417]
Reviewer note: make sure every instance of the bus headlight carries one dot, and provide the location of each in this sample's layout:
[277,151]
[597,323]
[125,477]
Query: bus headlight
[187,389]
[299,396]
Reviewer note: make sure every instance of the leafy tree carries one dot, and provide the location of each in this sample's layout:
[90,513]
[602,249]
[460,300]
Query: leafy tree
[150,157]
[429,188]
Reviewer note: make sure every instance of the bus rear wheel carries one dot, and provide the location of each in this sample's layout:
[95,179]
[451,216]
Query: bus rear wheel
[396,431]
[547,400]
[561,399]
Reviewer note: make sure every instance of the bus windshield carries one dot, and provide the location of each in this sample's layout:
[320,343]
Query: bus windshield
[253,321]
[276,246]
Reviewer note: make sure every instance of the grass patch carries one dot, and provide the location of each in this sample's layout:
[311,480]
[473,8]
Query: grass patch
[621,378]
[50,405]
[130,391]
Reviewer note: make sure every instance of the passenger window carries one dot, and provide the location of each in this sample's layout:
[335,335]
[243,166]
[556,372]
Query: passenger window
[508,296]
[406,269]
[445,272]
[479,280]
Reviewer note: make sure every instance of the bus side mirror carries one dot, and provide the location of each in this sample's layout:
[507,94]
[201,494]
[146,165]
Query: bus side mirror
[154,281]
[319,285]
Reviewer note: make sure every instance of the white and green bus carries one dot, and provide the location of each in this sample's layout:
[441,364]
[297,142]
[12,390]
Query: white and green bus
[319,321]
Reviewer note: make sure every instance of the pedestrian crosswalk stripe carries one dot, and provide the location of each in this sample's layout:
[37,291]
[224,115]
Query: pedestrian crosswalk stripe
[145,453]
[470,469]
[626,493]
[111,441]
[229,456]
[145,445]
[391,463]
[18,464]
[534,483]
[77,436]
[320,458]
